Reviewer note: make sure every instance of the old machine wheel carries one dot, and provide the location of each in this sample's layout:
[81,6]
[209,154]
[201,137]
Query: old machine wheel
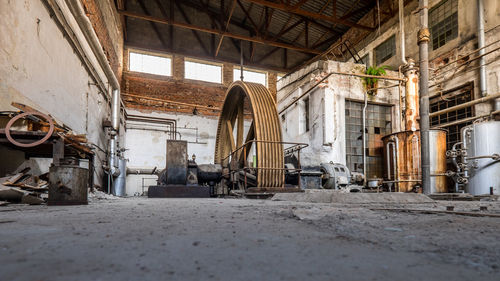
[252,102]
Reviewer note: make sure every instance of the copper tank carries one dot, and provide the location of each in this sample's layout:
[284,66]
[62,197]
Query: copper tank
[402,160]
[402,149]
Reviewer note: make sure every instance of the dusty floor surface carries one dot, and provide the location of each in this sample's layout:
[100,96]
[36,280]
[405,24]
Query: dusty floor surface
[238,239]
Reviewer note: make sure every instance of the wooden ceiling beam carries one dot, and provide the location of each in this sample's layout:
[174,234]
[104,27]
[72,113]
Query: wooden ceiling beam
[217,31]
[298,11]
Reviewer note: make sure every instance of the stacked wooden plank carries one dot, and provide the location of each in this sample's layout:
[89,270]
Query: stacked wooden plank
[24,187]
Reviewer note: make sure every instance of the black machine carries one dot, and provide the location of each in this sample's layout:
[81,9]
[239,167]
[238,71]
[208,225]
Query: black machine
[183,177]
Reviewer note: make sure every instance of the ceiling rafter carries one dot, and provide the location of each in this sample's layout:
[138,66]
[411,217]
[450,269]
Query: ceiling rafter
[153,25]
[313,15]
[218,31]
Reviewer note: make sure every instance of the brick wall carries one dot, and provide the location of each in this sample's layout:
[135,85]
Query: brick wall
[111,40]
[175,88]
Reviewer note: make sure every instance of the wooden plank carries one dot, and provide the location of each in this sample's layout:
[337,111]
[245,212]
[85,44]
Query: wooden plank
[231,136]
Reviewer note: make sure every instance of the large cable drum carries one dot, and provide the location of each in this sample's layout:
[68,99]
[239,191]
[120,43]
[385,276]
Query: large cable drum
[264,133]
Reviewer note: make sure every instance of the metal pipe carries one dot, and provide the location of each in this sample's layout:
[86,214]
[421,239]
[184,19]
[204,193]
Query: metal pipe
[364,139]
[481,44]
[339,73]
[465,130]
[464,105]
[88,31]
[241,60]
[402,31]
[85,25]
[465,120]
[423,43]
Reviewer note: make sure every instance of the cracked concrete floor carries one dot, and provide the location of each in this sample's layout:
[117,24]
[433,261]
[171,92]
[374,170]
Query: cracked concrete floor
[237,239]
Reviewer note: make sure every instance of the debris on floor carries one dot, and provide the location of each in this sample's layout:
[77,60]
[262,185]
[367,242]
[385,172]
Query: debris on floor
[24,187]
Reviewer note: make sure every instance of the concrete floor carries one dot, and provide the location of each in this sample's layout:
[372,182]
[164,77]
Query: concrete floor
[237,239]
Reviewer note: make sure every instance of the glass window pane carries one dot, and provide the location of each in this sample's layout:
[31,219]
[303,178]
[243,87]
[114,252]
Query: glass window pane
[250,76]
[150,64]
[202,71]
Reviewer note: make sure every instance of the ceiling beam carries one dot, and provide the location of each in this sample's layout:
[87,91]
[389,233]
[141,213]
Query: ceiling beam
[298,11]
[216,31]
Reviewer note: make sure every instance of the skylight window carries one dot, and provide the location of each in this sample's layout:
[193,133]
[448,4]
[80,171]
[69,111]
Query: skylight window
[250,76]
[150,64]
[203,71]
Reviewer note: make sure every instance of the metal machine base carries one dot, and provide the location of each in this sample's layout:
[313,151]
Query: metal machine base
[178,191]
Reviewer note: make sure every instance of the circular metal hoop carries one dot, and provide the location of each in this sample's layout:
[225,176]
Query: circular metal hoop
[264,133]
[38,142]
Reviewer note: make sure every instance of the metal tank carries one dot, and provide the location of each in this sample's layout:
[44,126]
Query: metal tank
[119,185]
[482,143]
[68,185]
[402,160]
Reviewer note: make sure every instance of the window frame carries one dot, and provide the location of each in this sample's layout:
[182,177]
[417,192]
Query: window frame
[454,32]
[391,38]
[186,59]
[153,54]
[251,70]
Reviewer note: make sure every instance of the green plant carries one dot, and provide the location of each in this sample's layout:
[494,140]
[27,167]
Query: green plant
[375,71]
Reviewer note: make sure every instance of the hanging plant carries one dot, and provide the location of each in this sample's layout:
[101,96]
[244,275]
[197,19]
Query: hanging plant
[371,84]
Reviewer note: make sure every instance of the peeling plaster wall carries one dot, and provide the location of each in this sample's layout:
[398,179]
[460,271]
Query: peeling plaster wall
[465,42]
[38,67]
[326,136]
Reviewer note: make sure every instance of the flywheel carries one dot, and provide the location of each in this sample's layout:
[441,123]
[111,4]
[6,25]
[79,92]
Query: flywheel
[264,133]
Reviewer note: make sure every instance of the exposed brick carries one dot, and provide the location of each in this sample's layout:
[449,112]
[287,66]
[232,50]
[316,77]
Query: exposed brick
[98,23]
[271,83]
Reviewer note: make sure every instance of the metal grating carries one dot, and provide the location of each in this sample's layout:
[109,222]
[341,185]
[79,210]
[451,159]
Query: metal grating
[443,19]
[451,98]
[385,50]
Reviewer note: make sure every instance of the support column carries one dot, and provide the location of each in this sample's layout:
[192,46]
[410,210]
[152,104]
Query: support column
[423,44]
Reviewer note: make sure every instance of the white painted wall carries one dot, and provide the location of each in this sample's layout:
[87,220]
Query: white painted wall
[38,67]
[326,136]
[147,148]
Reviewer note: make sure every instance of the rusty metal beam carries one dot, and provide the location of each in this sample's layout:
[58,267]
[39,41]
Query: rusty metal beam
[216,31]
[298,11]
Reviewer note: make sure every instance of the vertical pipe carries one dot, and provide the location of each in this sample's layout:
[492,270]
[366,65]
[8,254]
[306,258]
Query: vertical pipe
[481,44]
[364,139]
[402,31]
[423,43]
[241,60]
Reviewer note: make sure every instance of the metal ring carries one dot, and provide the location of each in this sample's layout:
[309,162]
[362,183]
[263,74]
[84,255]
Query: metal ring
[38,142]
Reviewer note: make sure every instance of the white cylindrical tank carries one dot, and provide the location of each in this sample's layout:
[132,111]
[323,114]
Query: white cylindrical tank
[483,140]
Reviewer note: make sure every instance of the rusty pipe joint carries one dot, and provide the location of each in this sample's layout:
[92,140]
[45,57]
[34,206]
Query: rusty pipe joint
[423,35]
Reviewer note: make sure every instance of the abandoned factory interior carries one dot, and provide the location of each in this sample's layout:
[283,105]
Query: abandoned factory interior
[249,139]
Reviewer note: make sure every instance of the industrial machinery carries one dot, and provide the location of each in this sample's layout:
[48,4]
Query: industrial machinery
[477,159]
[402,149]
[248,163]
[183,177]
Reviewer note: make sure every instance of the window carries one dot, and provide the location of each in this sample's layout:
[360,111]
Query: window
[250,76]
[202,71]
[306,113]
[443,19]
[378,124]
[386,50]
[448,99]
[150,64]
[366,60]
